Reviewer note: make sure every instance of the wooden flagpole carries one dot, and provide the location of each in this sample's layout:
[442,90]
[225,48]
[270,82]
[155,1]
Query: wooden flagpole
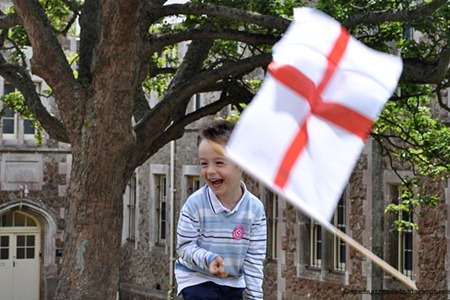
[366,252]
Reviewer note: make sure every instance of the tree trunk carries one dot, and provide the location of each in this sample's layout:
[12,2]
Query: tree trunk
[100,170]
[93,231]
[101,164]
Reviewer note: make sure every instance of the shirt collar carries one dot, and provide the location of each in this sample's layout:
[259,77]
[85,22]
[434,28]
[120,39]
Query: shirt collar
[217,205]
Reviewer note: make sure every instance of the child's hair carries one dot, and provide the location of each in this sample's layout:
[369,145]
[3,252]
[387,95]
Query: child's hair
[218,131]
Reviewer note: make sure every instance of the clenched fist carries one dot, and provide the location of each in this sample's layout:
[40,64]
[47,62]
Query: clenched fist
[217,267]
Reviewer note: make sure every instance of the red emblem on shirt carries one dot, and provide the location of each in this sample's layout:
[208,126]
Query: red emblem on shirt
[238,232]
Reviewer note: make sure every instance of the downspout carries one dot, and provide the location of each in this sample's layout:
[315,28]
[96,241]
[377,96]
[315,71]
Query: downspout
[171,221]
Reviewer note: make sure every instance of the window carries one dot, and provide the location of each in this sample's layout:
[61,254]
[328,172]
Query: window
[161,194]
[408,32]
[272,223]
[316,244]
[322,254]
[232,110]
[28,127]
[4,247]
[198,101]
[25,246]
[339,245]
[404,237]
[132,209]
[16,219]
[193,184]
[8,88]
[405,246]
[195,103]
[158,206]
[9,122]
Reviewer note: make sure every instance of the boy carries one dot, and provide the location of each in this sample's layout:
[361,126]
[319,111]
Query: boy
[222,228]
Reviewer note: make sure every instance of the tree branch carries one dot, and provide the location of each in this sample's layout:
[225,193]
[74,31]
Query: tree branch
[420,71]
[145,129]
[192,62]
[89,36]
[201,33]
[168,108]
[47,52]
[377,17]
[23,82]
[219,11]
[415,70]
[236,93]
[211,76]
[443,105]
[9,21]
[141,106]
[44,41]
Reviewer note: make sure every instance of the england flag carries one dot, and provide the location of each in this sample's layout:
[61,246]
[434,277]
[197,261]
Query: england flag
[305,129]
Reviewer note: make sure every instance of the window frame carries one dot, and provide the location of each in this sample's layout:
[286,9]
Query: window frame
[340,247]
[132,206]
[272,200]
[161,207]
[15,124]
[20,124]
[404,242]
[316,241]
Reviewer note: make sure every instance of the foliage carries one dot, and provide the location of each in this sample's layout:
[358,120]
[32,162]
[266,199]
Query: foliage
[414,139]
[166,61]
[413,195]
[412,135]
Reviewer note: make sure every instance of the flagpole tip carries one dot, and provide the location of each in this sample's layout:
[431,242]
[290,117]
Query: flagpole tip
[218,148]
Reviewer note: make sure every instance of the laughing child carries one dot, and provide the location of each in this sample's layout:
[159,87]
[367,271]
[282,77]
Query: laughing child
[221,234]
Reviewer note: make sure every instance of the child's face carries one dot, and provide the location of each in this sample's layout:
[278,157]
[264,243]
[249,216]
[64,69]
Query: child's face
[222,175]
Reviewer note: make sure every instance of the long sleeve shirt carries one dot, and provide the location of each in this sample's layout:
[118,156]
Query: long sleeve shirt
[206,230]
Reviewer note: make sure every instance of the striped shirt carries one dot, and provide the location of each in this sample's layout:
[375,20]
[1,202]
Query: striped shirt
[206,230]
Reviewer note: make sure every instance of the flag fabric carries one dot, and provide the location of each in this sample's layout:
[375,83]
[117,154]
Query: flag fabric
[303,132]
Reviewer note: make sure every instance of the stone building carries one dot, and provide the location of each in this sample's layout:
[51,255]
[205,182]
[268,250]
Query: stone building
[303,260]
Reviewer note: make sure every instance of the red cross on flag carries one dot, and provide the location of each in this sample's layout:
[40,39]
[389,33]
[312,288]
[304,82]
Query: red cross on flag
[305,129]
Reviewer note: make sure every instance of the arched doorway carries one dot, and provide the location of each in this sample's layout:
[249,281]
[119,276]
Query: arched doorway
[20,248]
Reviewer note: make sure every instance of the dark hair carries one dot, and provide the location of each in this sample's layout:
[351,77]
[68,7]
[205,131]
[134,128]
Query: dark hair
[218,131]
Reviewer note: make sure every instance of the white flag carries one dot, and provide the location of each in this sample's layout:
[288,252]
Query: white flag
[305,129]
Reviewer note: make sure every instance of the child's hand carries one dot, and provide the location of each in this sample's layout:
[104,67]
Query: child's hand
[217,267]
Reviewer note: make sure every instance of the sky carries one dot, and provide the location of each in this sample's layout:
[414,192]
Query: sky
[176,1]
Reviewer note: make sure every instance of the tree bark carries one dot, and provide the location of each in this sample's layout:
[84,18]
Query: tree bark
[98,118]
[93,231]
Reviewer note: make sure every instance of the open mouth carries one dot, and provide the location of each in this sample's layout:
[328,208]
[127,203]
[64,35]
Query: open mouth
[216,182]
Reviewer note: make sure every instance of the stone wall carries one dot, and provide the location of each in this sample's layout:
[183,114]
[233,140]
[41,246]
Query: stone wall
[46,189]
[35,182]
[145,266]
[145,272]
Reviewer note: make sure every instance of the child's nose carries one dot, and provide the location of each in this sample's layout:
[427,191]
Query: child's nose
[211,169]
